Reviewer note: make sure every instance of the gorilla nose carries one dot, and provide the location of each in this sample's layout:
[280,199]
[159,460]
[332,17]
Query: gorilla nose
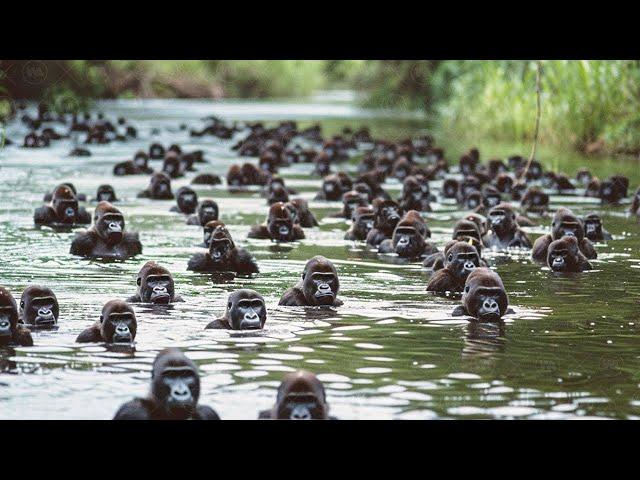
[300,413]
[469,265]
[328,188]
[122,330]
[181,393]
[496,220]
[283,230]
[417,195]
[4,325]
[569,233]
[70,212]
[159,289]
[591,228]
[115,227]
[404,241]
[558,262]
[369,225]
[250,321]
[490,306]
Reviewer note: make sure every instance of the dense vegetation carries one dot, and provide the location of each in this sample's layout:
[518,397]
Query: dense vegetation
[588,105]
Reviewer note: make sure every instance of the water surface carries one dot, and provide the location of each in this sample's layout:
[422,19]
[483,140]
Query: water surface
[393,351]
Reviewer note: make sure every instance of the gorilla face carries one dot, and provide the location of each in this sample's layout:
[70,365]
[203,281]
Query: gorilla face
[140,160]
[388,217]
[219,249]
[158,289]
[501,220]
[331,189]
[491,199]
[321,288]
[111,228]
[118,326]
[66,210]
[301,396]
[364,222]
[207,211]
[177,389]
[161,188]
[558,259]
[487,304]
[450,188]
[408,243]
[187,201]
[40,312]
[462,263]
[106,194]
[247,313]
[473,200]
[281,229]
[300,406]
[593,227]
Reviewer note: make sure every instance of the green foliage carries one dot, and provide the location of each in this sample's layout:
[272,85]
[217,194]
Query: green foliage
[583,101]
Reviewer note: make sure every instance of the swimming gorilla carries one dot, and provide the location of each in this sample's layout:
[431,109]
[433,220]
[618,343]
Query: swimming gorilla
[593,228]
[564,223]
[186,200]
[223,256]
[461,259]
[484,297]
[63,211]
[279,226]
[39,307]
[564,255]
[175,391]
[301,396]
[159,188]
[504,230]
[155,285]
[107,237]
[207,211]
[116,325]
[245,311]
[318,286]
[105,193]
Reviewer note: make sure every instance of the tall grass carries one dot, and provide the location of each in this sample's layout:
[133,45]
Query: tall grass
[583,102]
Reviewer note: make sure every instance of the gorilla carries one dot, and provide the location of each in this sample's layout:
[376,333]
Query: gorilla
[245,311]
[564,223]
[635,203]
[332,188]
[564,255]
[504,230]
[535,200]
[223,256]
[11,332]
[593,228]
[301,396]
[105,193]
[155,285]
[361,224]
[318,286]
[175,391]
[63,211]
[107,237]
[386,216]
[39,307]
[172,166]
[187,201]
[279,226]
[156,151]
[416,194]
[117,324]
[350,201]
[409,238]
[207,211]
[159,188]
[461,259]
[484,297]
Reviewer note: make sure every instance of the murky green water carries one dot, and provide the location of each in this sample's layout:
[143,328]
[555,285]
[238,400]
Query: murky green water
[572,348]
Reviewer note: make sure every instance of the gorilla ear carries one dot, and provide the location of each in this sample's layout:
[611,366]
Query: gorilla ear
[101,318]
[229,305]
[21,303]
[139,281]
